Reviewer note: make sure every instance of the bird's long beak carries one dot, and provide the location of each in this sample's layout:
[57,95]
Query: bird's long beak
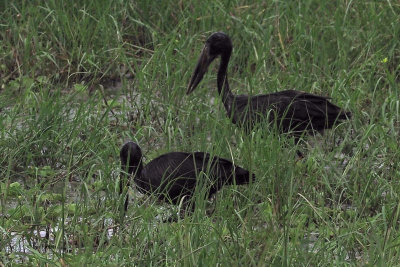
[201,68]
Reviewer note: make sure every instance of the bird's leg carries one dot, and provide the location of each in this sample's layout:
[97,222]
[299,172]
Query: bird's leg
[187,208]
[124,184]
[126,202]
[298,152]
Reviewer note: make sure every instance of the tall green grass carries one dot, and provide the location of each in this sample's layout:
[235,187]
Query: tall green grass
[78,79]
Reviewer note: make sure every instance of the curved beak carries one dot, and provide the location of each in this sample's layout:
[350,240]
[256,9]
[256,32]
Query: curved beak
[201,68]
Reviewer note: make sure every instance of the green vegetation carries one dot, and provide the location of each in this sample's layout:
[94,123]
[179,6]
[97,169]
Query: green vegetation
[78,78]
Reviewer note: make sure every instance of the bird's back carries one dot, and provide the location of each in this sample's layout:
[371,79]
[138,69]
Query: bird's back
[175,174]
[292,110]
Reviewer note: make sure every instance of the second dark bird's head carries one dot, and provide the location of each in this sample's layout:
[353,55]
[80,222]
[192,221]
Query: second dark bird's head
[217,44]
[130,156]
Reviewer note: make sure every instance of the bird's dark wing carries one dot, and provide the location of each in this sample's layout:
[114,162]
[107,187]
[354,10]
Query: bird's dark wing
[175,174]
[223,170]
[307,112]
[292,110]
[172,174]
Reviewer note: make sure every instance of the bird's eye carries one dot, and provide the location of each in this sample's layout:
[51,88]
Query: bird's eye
[215,48]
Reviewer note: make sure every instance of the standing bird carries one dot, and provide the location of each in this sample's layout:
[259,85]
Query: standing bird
[293,111]
[174,175]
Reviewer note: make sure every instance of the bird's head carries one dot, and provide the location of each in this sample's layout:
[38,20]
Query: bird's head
[130,156]
[217,44]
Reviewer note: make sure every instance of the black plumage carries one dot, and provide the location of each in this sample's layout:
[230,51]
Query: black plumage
[174,175]
[294,111]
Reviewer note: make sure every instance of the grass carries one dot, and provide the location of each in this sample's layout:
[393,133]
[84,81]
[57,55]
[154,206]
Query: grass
[78,79]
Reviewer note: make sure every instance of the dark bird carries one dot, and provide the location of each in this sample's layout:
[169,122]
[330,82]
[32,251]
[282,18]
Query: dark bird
[293,111]
[176,174]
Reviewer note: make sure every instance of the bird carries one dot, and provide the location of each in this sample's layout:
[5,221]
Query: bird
[175,175]
[295,112]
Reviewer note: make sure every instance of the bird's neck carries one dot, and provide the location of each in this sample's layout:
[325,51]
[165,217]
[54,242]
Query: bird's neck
[223,85]
[137,177]
[134,169]
[137,169]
